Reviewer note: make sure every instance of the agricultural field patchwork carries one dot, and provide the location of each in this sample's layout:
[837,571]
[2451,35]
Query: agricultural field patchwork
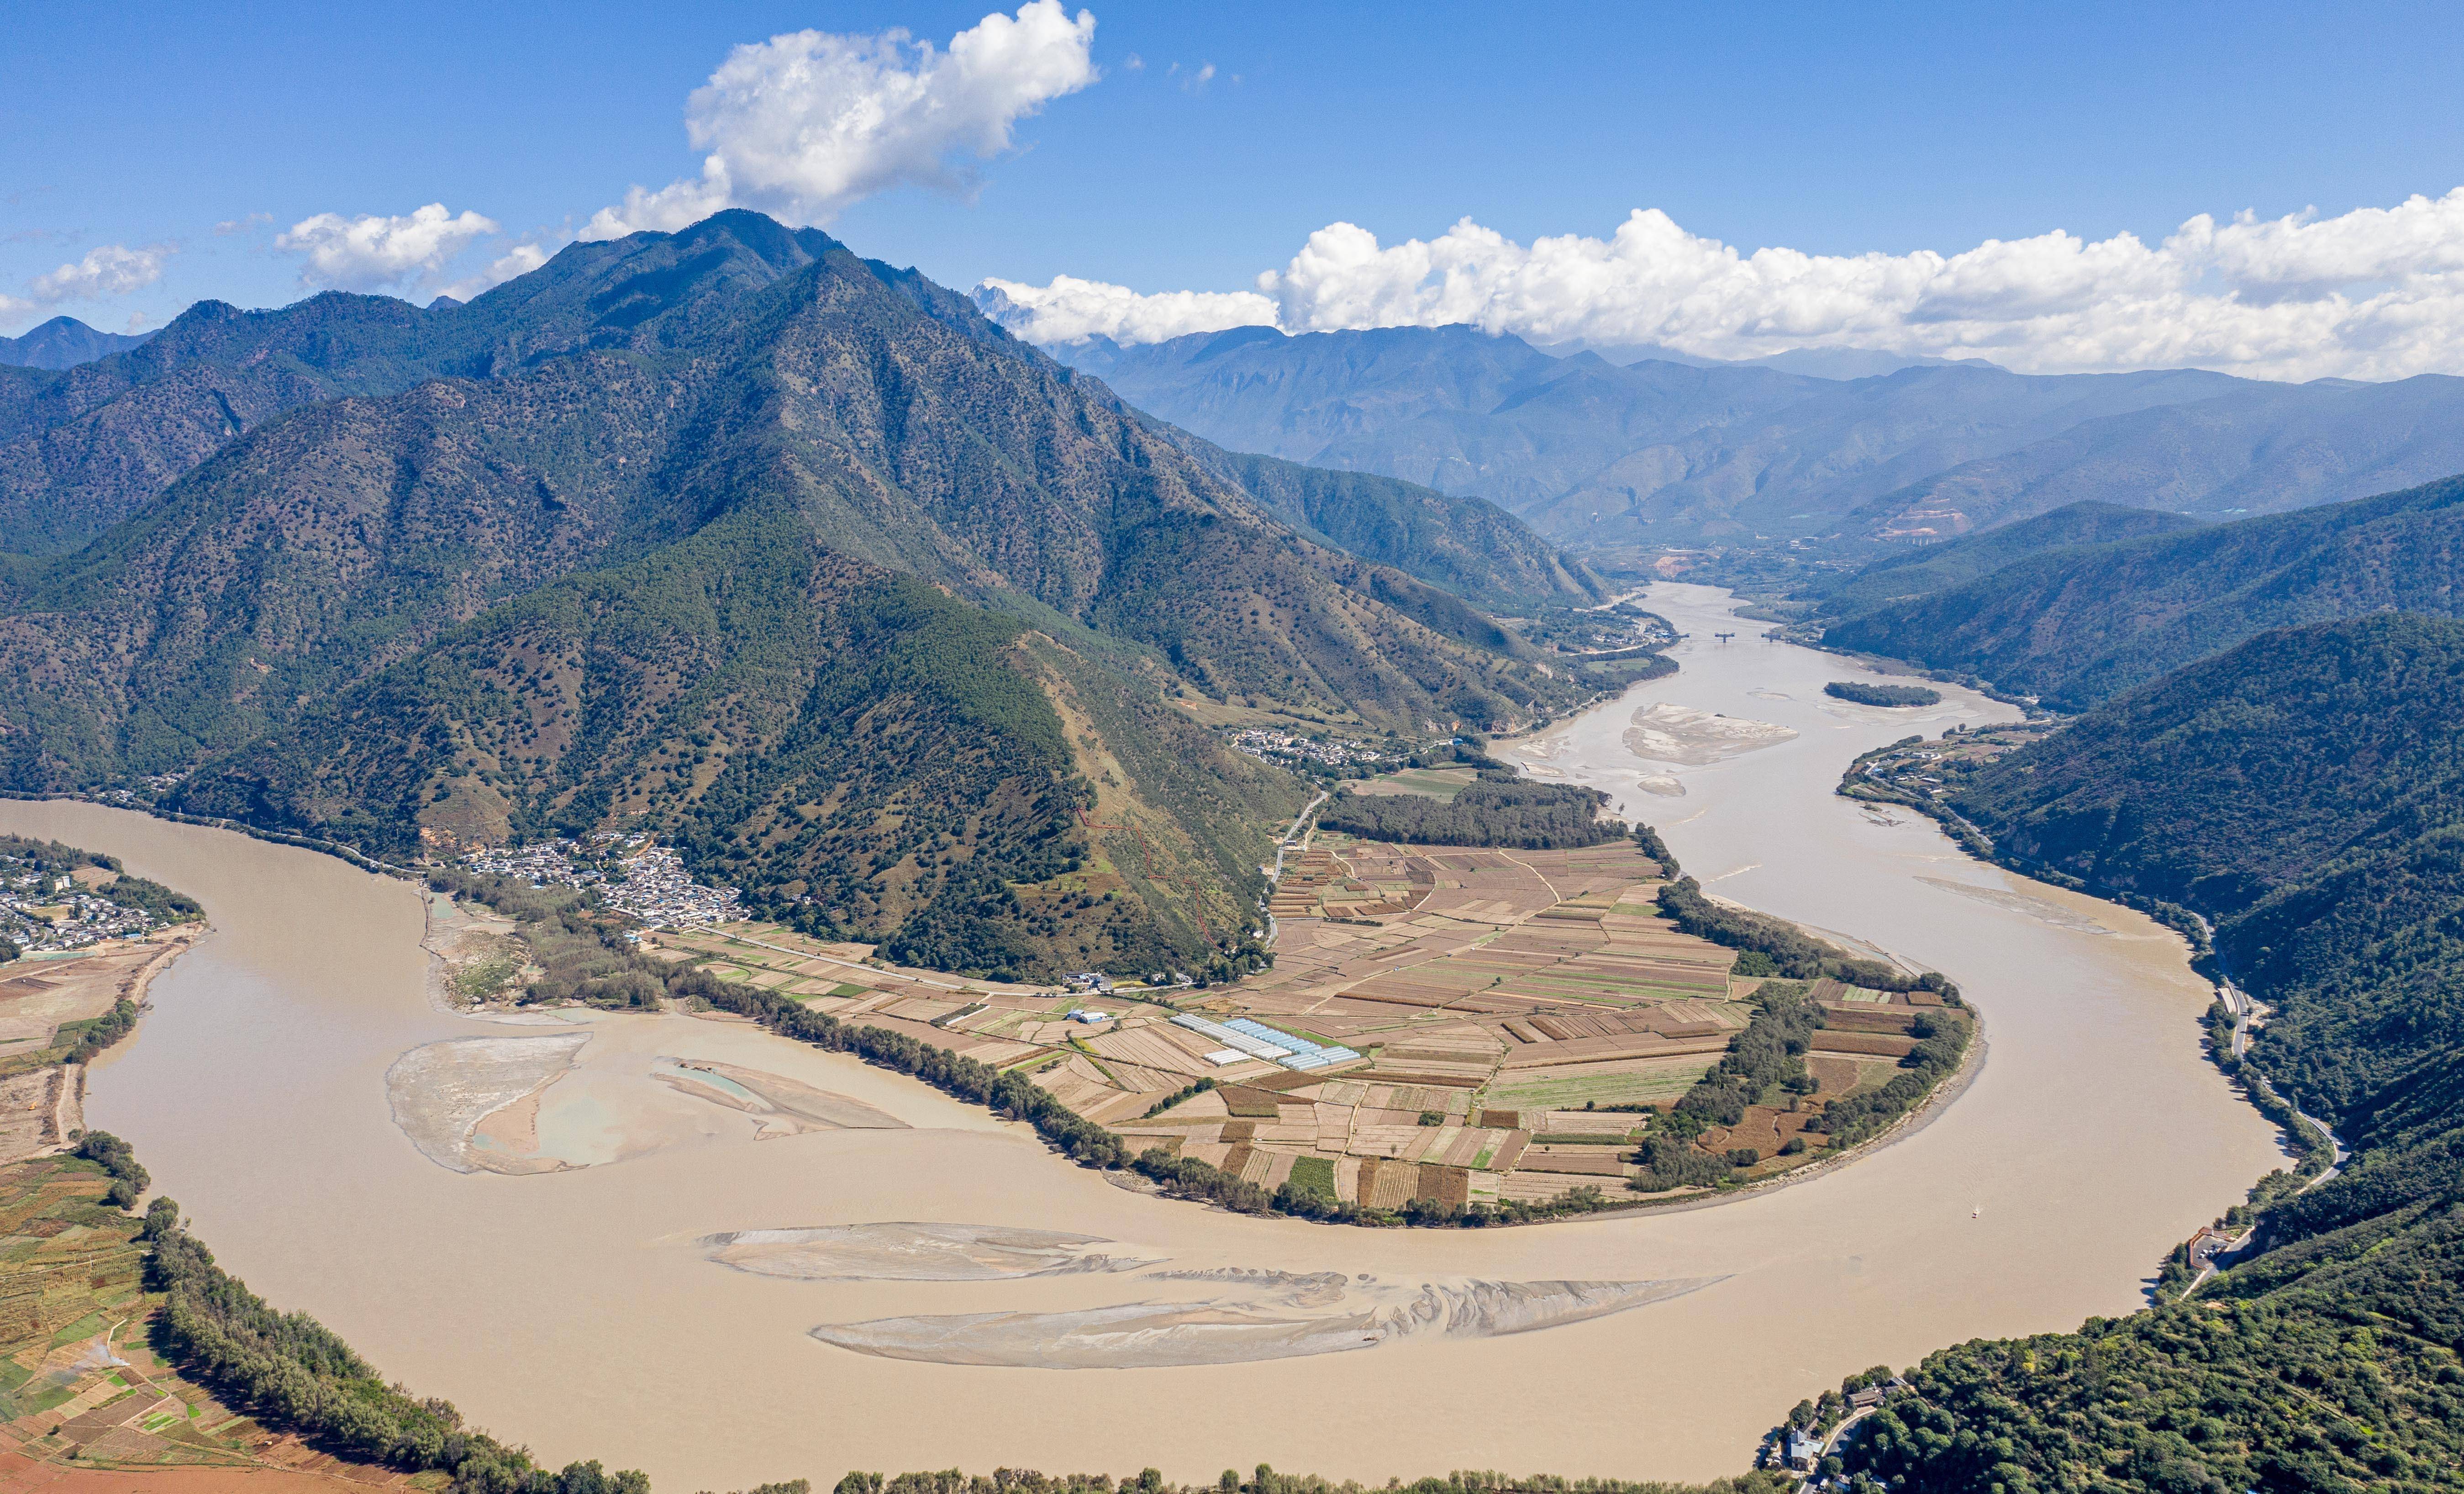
[80,1388]
[1442,1023]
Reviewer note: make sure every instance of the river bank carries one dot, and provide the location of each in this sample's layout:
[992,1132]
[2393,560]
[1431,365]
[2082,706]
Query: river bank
[2095,1139]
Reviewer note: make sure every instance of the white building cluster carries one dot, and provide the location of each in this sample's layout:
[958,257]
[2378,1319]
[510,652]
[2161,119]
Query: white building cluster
[659,892]
[45,912]
[1285,748]
[547,864]
[648,883]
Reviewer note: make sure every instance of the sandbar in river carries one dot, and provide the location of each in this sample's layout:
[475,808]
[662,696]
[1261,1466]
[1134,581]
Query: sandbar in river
[576,1311]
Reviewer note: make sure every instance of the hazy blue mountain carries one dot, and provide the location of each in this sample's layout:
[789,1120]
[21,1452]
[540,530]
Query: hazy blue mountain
[63,342]
[2253,448]
[1800,468]
[1625,354]
[1815,362]
[1449,407]
[1588,451]
[2078,625]
[1855,362]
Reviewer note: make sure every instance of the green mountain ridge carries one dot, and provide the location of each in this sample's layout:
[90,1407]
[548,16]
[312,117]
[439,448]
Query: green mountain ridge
[83,449]
[1915,573]
[1465,546]
[2304,790]
[858,752]
[2078,625]
[313,622]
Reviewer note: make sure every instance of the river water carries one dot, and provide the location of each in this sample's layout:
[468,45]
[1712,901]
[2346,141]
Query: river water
[571,1311]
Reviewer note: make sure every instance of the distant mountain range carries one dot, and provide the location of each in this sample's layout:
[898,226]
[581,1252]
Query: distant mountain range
[63,342]
[791,556]
[2257,449]
[1667,453]
[2071,608]
[1820,363]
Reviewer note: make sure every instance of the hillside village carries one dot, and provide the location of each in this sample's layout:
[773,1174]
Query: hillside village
[644,881]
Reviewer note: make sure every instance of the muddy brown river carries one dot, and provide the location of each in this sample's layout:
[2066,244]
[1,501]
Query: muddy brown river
[660,1310]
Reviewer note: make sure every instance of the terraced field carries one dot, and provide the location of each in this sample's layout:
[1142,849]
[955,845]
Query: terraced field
[81,1395]
[1510,1014]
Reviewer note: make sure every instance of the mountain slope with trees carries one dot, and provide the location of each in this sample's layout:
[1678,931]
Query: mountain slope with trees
[783,552]
[1915,573]
[84,449]
[329,542]
[860,753]
[2305,791]
[1463,545]
[2078,625]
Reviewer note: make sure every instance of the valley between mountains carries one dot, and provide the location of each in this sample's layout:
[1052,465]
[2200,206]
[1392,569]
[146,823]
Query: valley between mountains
[783,555]
[1995,835]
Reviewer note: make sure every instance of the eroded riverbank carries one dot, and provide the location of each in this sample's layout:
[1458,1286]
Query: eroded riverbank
[581,1311]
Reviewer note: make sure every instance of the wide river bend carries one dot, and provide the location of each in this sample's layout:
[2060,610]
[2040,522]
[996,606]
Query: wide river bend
[572,1311]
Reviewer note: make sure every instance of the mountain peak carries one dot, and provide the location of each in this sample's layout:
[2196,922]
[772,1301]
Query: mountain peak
[64,342]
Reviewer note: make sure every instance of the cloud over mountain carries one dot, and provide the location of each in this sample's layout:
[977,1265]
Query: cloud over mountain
[2372,293]
[809,122]
[106,270]
[374,252]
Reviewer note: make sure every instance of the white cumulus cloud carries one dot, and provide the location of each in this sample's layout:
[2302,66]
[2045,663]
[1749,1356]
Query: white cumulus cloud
[1071,310]
[2372,293]
[106,270]
[807,122]
[520,259]
[374,252]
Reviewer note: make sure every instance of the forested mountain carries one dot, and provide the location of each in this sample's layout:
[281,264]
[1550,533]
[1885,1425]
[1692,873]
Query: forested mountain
[2078,625]
[1908,574]
[308,618]
[848,745]
[1469,546]
[64,342]
[2302,789]
[2306,791]
[2252,448]
[82,450]
[1655,452]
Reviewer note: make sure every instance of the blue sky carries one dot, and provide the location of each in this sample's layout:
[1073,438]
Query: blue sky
[1829,129]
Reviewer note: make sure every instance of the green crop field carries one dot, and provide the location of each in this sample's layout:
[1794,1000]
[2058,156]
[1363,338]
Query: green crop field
[1543,1092]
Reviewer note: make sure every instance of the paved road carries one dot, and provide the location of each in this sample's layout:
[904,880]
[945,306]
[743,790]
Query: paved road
[1284,844]
[1277,875]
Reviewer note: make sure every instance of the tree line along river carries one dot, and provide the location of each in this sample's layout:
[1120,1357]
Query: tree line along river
[575,1311]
